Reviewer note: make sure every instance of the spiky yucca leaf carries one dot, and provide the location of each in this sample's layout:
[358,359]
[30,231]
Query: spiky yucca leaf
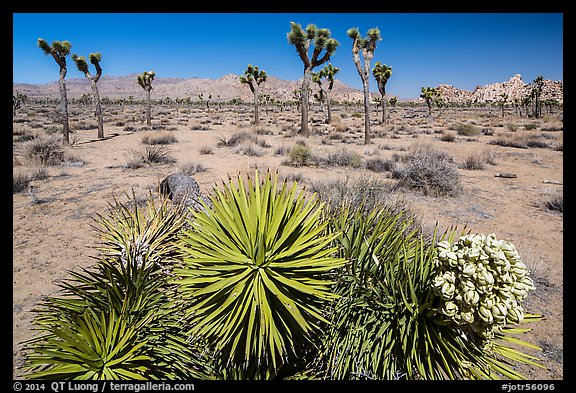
[256,274]
[384,325]
[129,287]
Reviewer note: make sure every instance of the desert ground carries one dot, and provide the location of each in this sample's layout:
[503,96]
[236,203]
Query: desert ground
[56,203]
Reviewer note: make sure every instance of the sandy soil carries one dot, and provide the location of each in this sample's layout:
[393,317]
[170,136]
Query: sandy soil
[52,220]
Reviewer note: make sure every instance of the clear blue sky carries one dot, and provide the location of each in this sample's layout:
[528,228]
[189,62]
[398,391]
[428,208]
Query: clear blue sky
[424,49]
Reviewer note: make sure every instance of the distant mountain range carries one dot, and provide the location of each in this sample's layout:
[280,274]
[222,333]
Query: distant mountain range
[224,88]
[229,87]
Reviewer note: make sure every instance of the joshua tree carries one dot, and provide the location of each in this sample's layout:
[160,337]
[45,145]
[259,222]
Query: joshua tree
[367,46]
[393,101]
[145,80]
[549,104]
[83,67]
[382,73]
[19,99]
[536,94]
[502,102]
[327,72]
[429,94]
[253,77]
[59,50]
[301,39]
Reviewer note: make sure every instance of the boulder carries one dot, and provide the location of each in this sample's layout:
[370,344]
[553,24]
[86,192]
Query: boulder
[182,188]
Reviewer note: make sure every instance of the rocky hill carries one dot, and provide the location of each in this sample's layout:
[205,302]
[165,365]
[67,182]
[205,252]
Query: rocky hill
[224,88]
[229,87]
[514,87]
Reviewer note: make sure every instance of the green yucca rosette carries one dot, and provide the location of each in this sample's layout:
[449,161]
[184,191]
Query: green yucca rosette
[481,281]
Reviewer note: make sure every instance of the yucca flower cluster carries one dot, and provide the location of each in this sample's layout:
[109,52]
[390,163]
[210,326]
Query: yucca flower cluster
[481,282]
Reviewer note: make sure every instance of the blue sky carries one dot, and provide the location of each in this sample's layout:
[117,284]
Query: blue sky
[424,49]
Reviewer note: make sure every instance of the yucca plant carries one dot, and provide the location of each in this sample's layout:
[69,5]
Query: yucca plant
[121,319]
[257,275]
[385,323]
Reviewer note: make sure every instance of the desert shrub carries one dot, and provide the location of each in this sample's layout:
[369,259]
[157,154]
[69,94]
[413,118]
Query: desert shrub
[512,127]
[366,192]
[281,150]
[199,127]
[50,129]
[467,129]
[531,126]
[520,142]
[248,148]
[534,142]
[343,157]
[379,165]
[431,172]
[490,156]
[129,128]
[488,131]
[45,151]
[23,135]
[556,202]
[263,131]
[300,155]
[21,181]
[151,154]
[206,150]
[357,115]
[236,139]
[447,137]
[192,168]
[164,139]
[552,127]
[473,161]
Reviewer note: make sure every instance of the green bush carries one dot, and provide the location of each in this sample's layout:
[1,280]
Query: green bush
[300,155]
[467,129]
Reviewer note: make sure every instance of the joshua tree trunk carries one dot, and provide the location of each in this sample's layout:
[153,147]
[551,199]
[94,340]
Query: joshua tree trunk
[328,108]
[304,130]
[98,109]
[366,87]
[256,111]
[148,109]
[64,106]
[383,110]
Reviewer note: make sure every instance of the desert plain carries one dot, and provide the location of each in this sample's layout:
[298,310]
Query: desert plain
[55,203]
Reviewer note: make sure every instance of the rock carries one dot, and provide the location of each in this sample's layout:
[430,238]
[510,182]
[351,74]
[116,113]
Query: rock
[506,175]
[515,87]
[182,188]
